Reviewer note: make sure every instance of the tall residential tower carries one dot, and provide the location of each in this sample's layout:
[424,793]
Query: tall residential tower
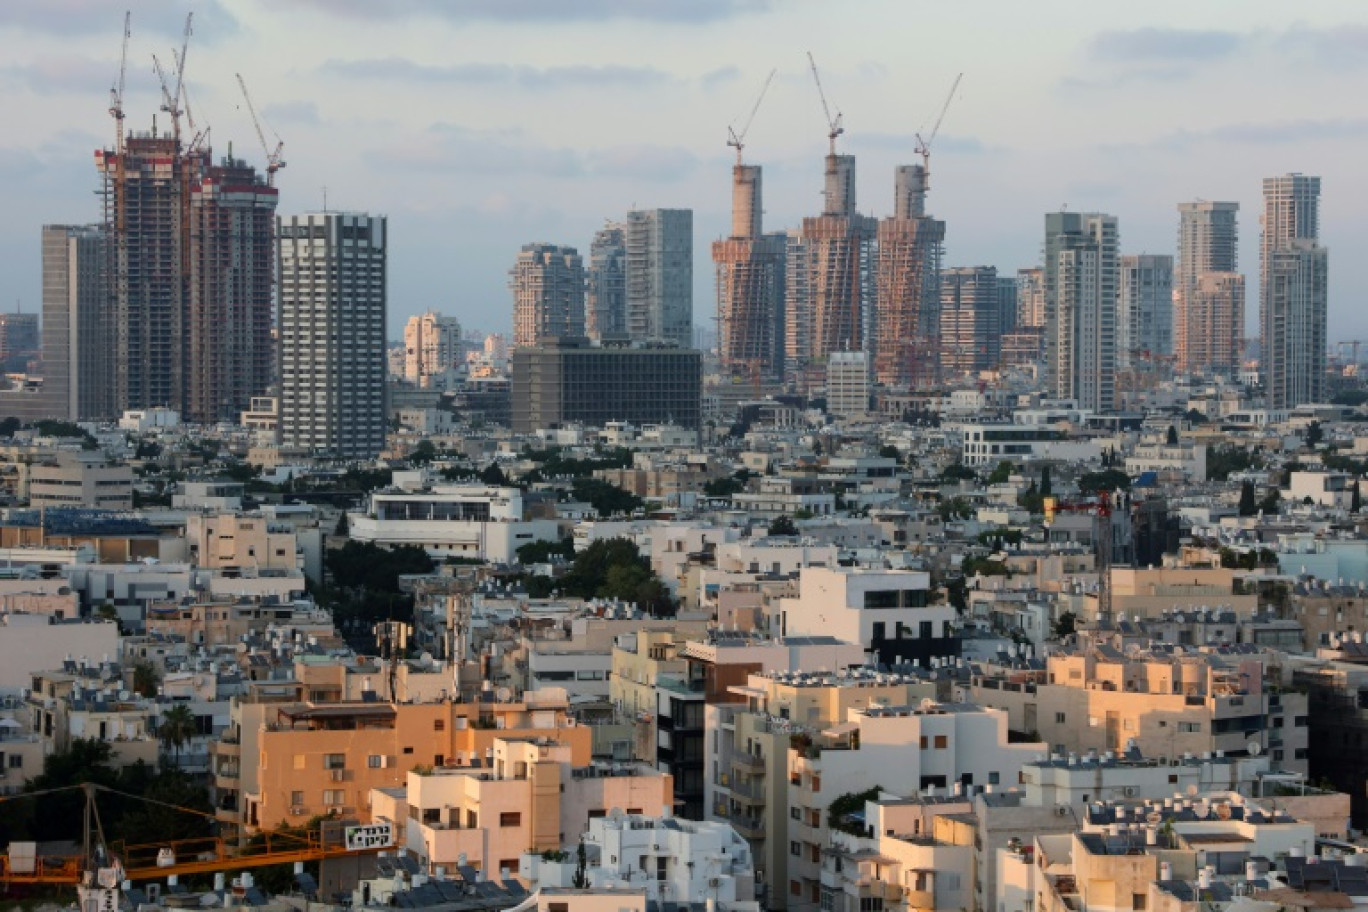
[1293,299]
[548,293]
[908,290]
[660,276]
[1208,291]
[1081,287]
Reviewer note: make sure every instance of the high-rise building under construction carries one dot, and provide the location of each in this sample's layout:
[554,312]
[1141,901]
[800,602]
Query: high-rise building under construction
[908,287]
[750,286]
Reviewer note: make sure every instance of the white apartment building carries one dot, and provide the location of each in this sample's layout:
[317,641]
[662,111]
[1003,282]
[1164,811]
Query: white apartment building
[848,384]
[433,351]
[452,521]
[659,275]
[332,301]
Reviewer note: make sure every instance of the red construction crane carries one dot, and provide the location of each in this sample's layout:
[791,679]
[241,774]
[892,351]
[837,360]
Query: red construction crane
[1101,507]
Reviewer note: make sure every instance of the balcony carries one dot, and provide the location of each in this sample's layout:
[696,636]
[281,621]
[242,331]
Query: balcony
[748,763]
[227,748]
[750,793]
[226,778]
[748,827]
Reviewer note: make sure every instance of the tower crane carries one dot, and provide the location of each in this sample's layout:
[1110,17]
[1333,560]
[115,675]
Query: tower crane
[924,145]
[274,162]
[1101,507]
[116,91]
[738,140]
[834,128]
[198,137]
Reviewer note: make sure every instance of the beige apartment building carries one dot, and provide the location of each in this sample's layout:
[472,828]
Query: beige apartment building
[532,796]
[81,479]
[251,543]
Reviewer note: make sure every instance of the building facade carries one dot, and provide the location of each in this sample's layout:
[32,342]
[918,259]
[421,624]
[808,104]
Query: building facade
[970,328]
[1144,319]
[1030,298]
[548,293]
[1292,292]
[332,299]
[433,350]
[908,289]
[1081,288]
[750,286]
[605,312]
[659,276]
[1208,292]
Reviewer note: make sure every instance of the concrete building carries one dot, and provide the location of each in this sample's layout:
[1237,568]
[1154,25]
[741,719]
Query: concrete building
[1293,292]
[1081,288]
[1030,298]
[1208,292]
[434,351]
[566,380]
[847,384]
[1007,303]
[907,282]
[970,327]
[750,268]
[333,300]
[548,293]
[1144,318]
[990,444]
[659,275]
[19,339]
[81,479]
[605,305]
[471,521]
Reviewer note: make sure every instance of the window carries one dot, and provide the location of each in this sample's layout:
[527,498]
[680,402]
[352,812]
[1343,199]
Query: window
[334,796]
[1189,727]
[439,725]
[796,813]
[375,761]
[508,864]
[557,907]
[334,761]
[408,750]
[816,783]
[795,888]
[297,798]
[16,761]
[1138,902]
[993,777]
[1301,721]
[942,742]
[795,848]
[871,904]
[924,742]
[1173,778]
[595,813]
[1059,718]
[472,820]
[510,819]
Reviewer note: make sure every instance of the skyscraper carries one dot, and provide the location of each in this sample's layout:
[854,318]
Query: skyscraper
[828,292]
[18,339]
[77,361]
[660,276]
[1081,278]
[548,293]
[433,350]
[1208,245]
[970,331]
[1144,319]
[750,286]
[1007,303]
[1293,299]
[606,285]
[332,299]
[907,281]
[1031,298]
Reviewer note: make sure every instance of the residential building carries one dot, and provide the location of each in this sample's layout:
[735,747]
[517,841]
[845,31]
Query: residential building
[1208,292]
[548,293]
[989,444]
[659,244]
[1081,286]
[434,351]
[471,521]
[970,327]
[906,325]
[847,384]
[1293,292]
[750,268]
[605,306]
[905,859]
[19,341]
[1007,303]
[1030,298]
[80,479]
[566,380]
[333,300]
[1144,319]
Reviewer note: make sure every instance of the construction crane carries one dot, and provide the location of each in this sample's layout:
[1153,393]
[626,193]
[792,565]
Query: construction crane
[179,60]
[924,145]
[205,855]
[738,140]
[834,128]
[1101,507]
[274,162]
[116,91]
[199,137]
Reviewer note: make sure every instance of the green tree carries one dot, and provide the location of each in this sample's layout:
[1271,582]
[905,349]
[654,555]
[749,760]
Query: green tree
[580,880]
[1269,505]
[1002,473]
[145,679]
[176,728]
[1045,488]
[493,475]
[1066,625]
[783,525]
[1106,480]
[1031,499]
[1248,506]
[1172,438]
[342,529]
[423,453]
[889,451]
[723,487]
[608,499]
[1314,434]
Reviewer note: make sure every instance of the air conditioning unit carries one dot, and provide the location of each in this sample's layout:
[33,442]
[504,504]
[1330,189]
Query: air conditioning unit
[335,810]
[297,811]
[1062,810]
[714,882]
[339,775]
[384,762]
[1130,791]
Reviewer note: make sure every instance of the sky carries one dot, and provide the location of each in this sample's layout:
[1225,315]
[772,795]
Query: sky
[477,126]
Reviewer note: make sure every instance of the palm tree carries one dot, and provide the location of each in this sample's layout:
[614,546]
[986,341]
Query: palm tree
[177,727]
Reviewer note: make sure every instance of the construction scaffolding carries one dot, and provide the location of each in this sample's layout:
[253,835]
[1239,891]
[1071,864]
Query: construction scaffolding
[907,287]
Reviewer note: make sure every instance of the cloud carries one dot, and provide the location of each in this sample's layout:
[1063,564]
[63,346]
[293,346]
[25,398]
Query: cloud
[715,79]
[907,142]
[62,74]
[466,11]
[1262,134]
[291,112]
[489,74]
[1340,47]
[1165,44]
[164,18]
[642,162]
[1133,76]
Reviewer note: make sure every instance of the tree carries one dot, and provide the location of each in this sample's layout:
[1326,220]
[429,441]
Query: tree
[1106,480]
[342,529]
[176,728]
[580,880]
[782,525]
[1356,498]
[1066,625]
[1002,473]
[723,487]
[423,453]
[1248,506]
[1270,502]
[1314,434]
[608,499]
[889,451]
[145,679]
[1045,489]
[1172,438]
[493,475]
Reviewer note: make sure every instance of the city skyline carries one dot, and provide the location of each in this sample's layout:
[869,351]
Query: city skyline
[402,110]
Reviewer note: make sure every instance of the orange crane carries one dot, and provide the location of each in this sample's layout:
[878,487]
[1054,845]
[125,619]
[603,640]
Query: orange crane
[924,145]
[205,855]
[1101,507]
[274,162]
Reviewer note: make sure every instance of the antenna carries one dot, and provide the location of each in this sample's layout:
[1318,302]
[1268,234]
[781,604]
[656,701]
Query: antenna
[924,145]
[834,127]
[739,139]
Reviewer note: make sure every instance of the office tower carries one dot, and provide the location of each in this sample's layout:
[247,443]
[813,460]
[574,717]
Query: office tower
[1007,303]
[1208,244]
[1144,316]
[548,293]
[1208,337]
[332,300]
[230,354]
[828,293]
[1031,298]
[847,384]
[18,340]
[970,334]
[907,287]
[565,379]
[433,350]
[1294,272]
[1081,279]
[606,288]
[660,276]
[750,287]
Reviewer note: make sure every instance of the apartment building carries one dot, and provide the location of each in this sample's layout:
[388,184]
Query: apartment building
[472,521]
[84,479]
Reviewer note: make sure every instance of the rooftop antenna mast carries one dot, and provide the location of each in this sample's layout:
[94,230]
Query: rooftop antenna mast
[738,140]
[924,145]
[834,127]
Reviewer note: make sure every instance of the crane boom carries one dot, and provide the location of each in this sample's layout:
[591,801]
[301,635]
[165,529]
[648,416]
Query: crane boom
[116,93]
[739,139]
[834,127]
[180,59]
[924,145]
[274,162]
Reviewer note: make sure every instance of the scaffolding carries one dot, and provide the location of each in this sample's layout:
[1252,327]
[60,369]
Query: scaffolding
[907,287]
